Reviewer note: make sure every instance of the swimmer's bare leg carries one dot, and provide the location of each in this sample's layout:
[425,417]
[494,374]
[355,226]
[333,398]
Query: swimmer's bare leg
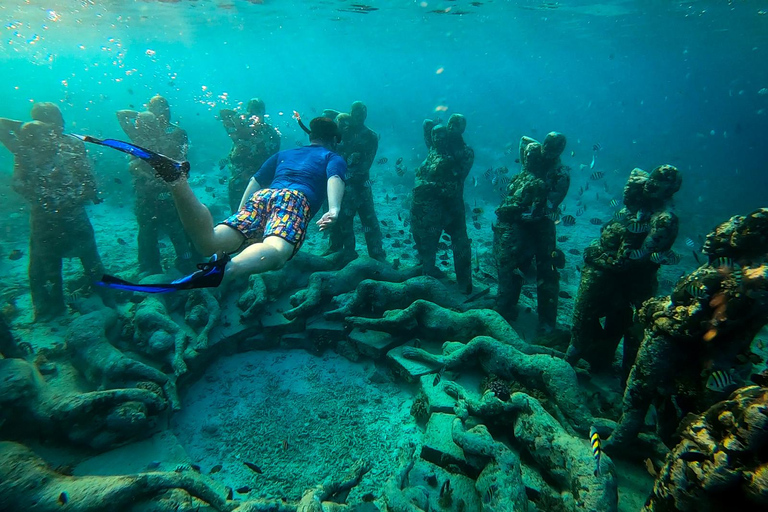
[198,222]
[271,254]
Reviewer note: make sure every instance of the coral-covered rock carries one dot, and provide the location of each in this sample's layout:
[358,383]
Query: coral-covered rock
[721,462]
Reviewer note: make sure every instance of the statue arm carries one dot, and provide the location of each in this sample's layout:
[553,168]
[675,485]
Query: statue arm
[427,126]
[663,233]
[9,129]
[559,189]
[127,120]
[232,123]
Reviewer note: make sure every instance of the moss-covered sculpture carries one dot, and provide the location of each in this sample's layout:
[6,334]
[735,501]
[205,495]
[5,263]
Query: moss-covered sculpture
[704,326]
[29,406]
[619,272]
[28,483]
[526,229]
[552,376]
[721,462]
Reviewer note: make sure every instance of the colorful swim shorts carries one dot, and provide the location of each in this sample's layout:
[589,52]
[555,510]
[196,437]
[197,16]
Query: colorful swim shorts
[273,212]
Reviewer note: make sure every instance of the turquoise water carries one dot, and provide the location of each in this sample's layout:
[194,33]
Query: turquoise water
[650,81]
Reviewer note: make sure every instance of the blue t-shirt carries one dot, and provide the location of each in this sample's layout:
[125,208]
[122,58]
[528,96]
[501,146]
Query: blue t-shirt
[305,169]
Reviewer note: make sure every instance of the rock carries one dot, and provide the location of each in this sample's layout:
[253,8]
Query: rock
[438,446]
[373,344]
[437,399]
[324,334]
[409,369]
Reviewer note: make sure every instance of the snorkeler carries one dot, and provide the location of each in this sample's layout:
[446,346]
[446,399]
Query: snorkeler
[270,227]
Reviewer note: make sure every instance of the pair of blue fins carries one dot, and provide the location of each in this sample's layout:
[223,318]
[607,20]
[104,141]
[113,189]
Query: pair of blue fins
[208,275]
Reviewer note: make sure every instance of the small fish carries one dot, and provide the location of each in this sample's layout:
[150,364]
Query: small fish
[720,381]
[658,258]
[597,448]
[384,223]
[215,469]
[15,255]
[243,490]
[690,243]
[554,215]
[695,290]
[595,221]
[649,467]
[222,180]
[438,377]
[620,215]
[382,160]
[445,237]
[562,238]
[118,181]
[575,252]
[580,211]
[725,262]
[478,295]
[477,211]
[63,498]
[253,467]
[614,203]
[399,161]
[569,220]
[597,147]
[120,241]
[477,225]
[367,229]
[692,456]
[564,295]
[400,171]
[369,183]
[285,444]
[474,181]
[488,174]
[637,254]
[638,227]
[596,175]
[573,153]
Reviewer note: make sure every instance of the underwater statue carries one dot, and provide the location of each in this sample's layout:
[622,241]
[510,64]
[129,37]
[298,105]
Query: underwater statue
[438,198]
[155,212]
[358,147]
[253,141]
[696,343]
[620,269]
[53,173]
[526,230]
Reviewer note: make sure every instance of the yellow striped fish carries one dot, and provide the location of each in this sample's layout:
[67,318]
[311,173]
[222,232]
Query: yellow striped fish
[597,448]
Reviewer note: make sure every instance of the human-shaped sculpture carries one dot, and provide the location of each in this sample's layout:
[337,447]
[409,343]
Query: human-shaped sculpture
[619,271]
[253,141]
[53,173]
[358,147]
[526,228]
[438,198]
[155,212]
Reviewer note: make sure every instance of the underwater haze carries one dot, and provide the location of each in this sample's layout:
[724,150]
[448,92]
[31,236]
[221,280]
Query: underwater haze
[587,307]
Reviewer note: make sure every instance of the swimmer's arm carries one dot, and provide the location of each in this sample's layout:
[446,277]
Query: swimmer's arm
[252,188]
[335,194]
[9,129]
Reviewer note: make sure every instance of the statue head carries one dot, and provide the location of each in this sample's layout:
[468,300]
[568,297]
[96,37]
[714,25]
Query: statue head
[256,107]
[440,138]
[553,146]
[662,183]
[457,123]
[159,106]
[47,112]
[345,123]
[148,123]
[359,113]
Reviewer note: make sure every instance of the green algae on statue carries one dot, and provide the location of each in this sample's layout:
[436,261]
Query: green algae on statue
[619,272]
[438,198]
[526,230]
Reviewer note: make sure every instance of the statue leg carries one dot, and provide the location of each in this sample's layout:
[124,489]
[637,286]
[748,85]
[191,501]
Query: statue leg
[149,252]
[508,252]
[426,226]
[45,255]
[371,227]
[592,304]
[88,254]
[548,278]
[456,227]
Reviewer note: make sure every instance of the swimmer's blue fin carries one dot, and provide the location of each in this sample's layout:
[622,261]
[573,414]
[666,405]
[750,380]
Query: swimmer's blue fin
[209,275]
[165,167]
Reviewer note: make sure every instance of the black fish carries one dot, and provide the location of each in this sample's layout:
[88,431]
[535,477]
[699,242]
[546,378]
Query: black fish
[253,467]
[399,161]
[562,239]
[63,498]
[118,181]
[575,252]
[383,223]
[15,255]
[382,160]
[243,490]
[569,220]
[597,175]
[120,241]
[693,456]
[564,295]
[215,469]
[595,221]
[438,377]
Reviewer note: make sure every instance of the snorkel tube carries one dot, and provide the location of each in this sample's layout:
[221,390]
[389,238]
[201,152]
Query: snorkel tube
[297,117]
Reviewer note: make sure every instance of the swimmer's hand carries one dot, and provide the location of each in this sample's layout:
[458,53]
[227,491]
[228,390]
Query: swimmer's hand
[328,219]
